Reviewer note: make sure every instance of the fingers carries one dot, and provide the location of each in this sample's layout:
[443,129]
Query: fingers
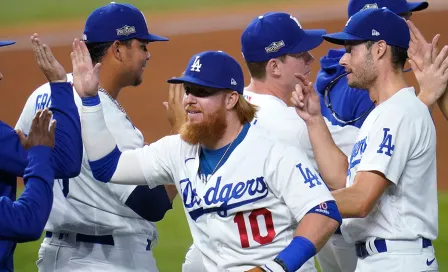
[35,122]
[171,93]
[435,44]
[96,69]
[52,130]
[49,57]
[298,96]
[22,136]
[45,119]
[441,57]
[414,67]
[37,49]
[303,79]
[415,32]
[165,104]
[444,65]
[427,57]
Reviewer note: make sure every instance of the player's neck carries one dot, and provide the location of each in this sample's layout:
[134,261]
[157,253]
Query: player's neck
[387,84]
[234,127]
[109,84]
[267,88]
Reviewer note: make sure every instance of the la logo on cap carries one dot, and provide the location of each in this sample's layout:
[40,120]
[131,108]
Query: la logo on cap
[196,66]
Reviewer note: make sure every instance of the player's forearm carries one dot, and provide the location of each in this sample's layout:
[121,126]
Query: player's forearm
[107,162]
[317,228]
[351,202]
[331,161]
[24,219]
[443,104]
[68,149]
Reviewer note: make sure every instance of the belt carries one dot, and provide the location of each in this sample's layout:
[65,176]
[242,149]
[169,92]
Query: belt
[103,239]
[380,244]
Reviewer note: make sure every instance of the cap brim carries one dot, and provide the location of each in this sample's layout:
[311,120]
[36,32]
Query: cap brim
[417,6]
[5,43]
[341,37]
[194,80]
[311,39]
[153,38]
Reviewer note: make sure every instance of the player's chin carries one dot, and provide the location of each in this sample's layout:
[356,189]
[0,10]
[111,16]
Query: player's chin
[195,118]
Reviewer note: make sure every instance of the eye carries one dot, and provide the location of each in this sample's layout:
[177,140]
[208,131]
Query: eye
[144,48]
[348,49]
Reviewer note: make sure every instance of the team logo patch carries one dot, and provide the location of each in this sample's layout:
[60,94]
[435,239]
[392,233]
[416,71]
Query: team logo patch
[125,30]
[233,82]
[275,46]
[196,66]
[375,33]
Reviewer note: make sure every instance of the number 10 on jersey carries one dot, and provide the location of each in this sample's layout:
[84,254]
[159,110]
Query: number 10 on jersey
[254,218]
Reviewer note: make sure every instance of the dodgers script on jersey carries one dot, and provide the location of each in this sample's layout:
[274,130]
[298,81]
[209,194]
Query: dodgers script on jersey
[248,210]
[398,139]
[83,204]
[282,123]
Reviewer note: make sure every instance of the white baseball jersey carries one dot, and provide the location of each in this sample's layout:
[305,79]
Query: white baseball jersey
[282,123]
[398,139]
[248,210]
[83,204]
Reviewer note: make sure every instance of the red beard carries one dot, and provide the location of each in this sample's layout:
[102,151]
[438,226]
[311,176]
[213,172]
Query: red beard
[210,129]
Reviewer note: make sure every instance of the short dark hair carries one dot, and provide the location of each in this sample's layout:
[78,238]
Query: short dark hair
[97,50]
[399,55]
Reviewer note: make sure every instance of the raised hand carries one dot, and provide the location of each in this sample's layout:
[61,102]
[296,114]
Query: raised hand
[432,76]
[174,107]
[305,99]
[85,74]
[39,134]
[418,46]
[50,67]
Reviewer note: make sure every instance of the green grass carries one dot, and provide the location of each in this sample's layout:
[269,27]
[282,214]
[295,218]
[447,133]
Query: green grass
[175,238]
[17,12]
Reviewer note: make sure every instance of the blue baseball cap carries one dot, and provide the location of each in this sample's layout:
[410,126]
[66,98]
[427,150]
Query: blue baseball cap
[396,6]
[215,69]
[117,22]
[374,25]
[5,43]
[275,34]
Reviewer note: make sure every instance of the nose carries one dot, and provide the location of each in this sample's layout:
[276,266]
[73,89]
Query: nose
[343,60]
[310,58]
[189,99]
[148,55]
[1,76]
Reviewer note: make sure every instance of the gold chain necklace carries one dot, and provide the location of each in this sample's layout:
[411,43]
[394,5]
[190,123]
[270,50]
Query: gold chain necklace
[101,89]
[222,157]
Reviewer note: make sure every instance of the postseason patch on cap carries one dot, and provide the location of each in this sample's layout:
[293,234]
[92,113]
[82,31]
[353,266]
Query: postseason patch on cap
[274,47]
[370,6]
[125,30]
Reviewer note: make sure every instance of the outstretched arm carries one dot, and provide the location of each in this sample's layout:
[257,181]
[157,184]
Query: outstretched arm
[331,161]
[24,220]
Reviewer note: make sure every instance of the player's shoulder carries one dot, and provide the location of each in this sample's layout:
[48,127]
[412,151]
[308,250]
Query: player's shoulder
[260,140]
[404,105]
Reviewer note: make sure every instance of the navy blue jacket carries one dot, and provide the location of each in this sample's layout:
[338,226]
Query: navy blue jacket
[24,219]
[349,103]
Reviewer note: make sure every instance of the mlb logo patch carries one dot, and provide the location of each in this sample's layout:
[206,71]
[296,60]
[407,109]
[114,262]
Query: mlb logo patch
[125,30]
[275,46]
[375,33]
[233,82]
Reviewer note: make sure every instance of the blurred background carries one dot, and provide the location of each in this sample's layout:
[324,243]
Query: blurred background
[192,26]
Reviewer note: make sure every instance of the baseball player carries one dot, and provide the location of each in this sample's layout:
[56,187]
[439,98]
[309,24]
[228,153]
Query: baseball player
[273,55]
[32,157]
[95,226]
[390,195]
[249,201]
[348,108]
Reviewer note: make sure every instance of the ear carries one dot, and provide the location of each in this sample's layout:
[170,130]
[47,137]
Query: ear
[231,100]
[380,49]
[274,68]
[117,48]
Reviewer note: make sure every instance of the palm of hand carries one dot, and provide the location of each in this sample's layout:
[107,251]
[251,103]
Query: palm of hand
[85,80]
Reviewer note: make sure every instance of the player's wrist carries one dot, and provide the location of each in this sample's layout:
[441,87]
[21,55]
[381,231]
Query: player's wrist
[298,252]
[90,101]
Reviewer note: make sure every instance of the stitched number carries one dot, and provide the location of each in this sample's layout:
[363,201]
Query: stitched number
[257,236]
